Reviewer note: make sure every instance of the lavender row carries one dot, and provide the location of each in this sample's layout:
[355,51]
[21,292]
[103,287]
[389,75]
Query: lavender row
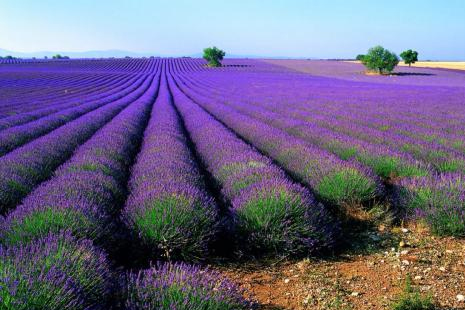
[270,213]
[340,183]
[385,162]
[14,137]
[168,208]
[27,166]
[438,199]
[55,272]
[342,121]
[47,95]
[22,118]
[83,194]
[357,114]
[202,289]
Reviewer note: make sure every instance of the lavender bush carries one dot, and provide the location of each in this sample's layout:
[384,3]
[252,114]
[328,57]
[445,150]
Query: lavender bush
[168,208]
[182,287]
[84,193]
[271,214]
[439,200]
[55,272]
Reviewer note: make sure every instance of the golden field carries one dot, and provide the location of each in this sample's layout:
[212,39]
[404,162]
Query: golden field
[457,65]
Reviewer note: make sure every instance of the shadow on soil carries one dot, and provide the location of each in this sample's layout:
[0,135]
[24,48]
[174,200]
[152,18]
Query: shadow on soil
[411,74]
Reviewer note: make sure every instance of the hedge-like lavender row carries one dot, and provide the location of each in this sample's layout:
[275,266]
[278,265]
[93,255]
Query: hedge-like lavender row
[271,214]
[439,200]
[55,272]
[168,207]
[385,162]
[84,193]
[14,137]
[441,158]
[25,167]
[44,91]
[338,182]
[180,286]
[22,118]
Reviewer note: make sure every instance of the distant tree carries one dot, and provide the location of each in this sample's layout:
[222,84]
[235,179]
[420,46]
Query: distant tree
[45,57]
[380,59]
[409,57]
[9,57]
[58,56]
[214,56]
[359,57]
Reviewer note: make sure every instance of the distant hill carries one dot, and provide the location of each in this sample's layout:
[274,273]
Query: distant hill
[86,54]
[122,54]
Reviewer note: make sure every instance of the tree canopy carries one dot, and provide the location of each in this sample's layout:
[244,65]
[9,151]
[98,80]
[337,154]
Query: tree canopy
[409,57]
[214,56]
[380,59]
[58,56]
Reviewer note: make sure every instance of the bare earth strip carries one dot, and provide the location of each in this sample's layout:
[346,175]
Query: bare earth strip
[369,278]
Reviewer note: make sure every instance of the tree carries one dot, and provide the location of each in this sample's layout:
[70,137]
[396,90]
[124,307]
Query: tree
[58,56]
[359,57]
[380,59]
[213,55]
[409,57]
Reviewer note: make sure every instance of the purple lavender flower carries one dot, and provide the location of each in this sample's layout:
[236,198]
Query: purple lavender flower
[54,272]
[182,287]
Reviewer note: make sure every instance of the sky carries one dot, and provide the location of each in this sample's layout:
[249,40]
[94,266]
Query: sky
[272,28]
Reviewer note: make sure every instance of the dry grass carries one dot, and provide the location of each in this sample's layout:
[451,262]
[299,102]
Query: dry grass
[456,65]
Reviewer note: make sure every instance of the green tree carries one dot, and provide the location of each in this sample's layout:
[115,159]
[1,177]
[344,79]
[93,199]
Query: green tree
[214,56]
[380,59]
[360,57]
[409,57]
[58,56]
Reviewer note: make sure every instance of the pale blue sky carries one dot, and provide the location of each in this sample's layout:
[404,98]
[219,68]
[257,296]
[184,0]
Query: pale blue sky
[295,28]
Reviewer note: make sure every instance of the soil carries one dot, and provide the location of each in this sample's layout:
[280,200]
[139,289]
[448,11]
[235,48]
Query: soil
[370,275]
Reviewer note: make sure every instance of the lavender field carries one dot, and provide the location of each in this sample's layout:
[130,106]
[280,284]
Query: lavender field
[120,178]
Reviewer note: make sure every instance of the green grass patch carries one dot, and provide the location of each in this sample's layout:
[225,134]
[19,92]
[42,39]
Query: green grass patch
[411,299]
[175,226]
[273,221]
[42,222]
[346,187]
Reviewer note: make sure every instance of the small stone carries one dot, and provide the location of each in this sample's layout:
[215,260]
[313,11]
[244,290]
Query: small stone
[355,294]
[417,278]
[443,269]
[460,298]
[404,252]
[405,262]
[404,230]
[286,281]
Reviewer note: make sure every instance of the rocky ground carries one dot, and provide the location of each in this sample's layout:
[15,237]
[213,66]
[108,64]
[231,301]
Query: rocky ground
[370,275]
